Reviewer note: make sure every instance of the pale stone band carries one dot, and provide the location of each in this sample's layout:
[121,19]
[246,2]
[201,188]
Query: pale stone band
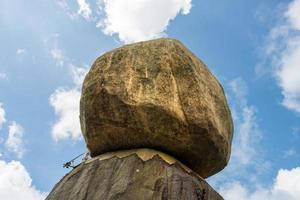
[144,153]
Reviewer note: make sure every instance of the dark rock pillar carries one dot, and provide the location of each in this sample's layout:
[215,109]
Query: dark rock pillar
[132,178]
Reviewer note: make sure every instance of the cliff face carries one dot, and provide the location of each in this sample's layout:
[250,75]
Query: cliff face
[132,178]
[157,94]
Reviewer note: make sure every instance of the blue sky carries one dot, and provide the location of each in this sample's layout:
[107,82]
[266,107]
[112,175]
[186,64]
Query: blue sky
[252,46]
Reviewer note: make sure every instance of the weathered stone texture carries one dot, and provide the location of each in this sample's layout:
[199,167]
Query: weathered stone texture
[131,178]
[158,95]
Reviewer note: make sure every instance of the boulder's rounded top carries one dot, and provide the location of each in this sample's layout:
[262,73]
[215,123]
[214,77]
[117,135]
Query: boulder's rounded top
[154,42]
[157,94]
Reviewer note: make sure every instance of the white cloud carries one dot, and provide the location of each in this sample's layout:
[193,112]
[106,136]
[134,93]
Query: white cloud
[247,133]
[138,20]
[16,184]
[243,150]
[66,8]
[289,152]
[234,191]
[3,75]
[2,115]
[14,142]
[84,9]
[65,100]
[58,56]
[130,20]
[241,179]
[66,105]
[247,160]
[285,187]
[284,50]
[20,51]
[295,131]
[293,14]
[54,50]
[288,181]
[289,75]
[78,74]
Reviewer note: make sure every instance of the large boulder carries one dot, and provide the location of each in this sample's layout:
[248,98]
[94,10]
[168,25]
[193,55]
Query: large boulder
[159,95]
[131,178]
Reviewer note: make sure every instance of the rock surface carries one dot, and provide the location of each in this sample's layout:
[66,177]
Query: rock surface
[158,95]
[131,178]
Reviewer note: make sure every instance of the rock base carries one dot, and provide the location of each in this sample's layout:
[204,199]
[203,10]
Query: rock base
[132,178]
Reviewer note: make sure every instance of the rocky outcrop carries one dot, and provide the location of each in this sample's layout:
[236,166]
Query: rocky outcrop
[156,122]
[158,95]
[132,178]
